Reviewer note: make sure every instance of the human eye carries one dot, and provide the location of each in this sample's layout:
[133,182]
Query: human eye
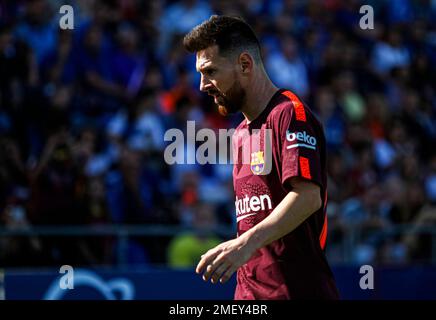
[210,71]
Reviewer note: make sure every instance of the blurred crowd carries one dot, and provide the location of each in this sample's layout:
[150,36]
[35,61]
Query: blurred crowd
[83,114]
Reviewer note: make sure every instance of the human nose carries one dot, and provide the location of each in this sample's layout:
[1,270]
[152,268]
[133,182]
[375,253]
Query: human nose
[205,84]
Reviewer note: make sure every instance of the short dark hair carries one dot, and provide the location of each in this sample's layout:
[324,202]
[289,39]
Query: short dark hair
[230,34]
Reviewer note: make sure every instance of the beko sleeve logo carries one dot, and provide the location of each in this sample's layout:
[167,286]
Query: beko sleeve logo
[302,139]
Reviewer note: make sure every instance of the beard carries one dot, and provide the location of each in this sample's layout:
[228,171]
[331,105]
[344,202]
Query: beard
[232,101]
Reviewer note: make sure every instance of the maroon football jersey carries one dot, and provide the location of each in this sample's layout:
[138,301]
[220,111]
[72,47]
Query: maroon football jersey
[284,141]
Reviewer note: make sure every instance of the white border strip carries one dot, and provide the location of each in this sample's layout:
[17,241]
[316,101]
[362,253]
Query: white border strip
[303,145]
[245,216]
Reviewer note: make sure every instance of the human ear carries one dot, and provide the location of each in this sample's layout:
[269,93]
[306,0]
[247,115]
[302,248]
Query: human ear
[246,62]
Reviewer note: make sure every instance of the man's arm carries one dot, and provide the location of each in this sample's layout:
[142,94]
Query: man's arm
[223,260]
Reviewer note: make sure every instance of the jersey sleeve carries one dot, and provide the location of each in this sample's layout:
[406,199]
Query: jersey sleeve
[301,140]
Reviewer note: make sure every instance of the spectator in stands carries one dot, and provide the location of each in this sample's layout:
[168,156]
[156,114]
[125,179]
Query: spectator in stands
[390,53]
[287,68]
[185,249]
[37,29]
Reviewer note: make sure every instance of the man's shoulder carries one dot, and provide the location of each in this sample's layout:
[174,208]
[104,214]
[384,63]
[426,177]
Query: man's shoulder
[283,104]
[288,106]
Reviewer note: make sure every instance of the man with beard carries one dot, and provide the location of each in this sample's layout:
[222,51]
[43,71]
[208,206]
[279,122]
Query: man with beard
[281,213]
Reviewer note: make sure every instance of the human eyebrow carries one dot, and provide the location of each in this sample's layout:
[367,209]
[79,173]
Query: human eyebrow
[207,70]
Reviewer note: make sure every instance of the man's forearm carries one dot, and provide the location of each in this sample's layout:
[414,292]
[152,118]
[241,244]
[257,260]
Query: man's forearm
[223,260]
[293,210]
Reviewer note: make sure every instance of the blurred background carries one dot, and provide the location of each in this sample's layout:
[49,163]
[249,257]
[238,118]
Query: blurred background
[83,114]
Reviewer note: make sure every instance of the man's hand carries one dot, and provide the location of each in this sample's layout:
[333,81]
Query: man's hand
[222,261]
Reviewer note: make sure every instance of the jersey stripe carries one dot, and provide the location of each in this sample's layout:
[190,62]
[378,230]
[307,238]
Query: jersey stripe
[300,114]
[323,235]
[305,167]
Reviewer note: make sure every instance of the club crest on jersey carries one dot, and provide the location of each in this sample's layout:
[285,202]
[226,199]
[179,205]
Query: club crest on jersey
[257,163]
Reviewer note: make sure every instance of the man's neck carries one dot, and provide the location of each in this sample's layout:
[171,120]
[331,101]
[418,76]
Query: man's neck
[257,98]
